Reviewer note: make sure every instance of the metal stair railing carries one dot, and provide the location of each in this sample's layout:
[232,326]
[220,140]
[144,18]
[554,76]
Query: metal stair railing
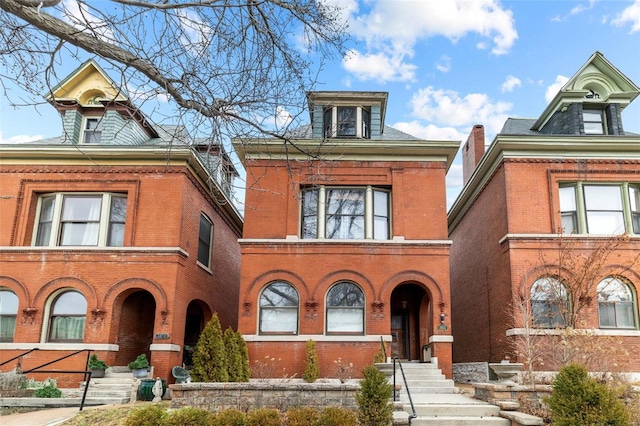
[413,414]
[86,373]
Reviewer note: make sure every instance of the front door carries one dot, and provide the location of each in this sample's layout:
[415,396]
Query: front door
[409,321]
[399,335]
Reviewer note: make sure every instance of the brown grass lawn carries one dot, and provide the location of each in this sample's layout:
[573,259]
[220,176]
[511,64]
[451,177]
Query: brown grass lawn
[105,416]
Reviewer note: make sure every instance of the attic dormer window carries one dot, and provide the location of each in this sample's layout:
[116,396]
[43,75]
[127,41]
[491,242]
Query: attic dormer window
[347,122]
[92,130]
[593,120]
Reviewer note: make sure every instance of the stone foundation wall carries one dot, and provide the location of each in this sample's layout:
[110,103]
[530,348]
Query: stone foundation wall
[246,396]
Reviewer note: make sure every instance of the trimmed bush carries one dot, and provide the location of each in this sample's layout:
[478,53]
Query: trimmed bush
[209,356]
[234,361]
[337,416]
[189,416]
[311,368]
[150,415]
[374,398]
[302,416]
[245,368]
[230,417]
[577,399]
[381,354]
[264,417]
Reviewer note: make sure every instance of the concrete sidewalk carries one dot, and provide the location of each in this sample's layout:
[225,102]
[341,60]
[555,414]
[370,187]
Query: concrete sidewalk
[45,417]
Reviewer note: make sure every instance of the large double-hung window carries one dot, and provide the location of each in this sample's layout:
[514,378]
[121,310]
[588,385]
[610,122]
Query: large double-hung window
[346,213]
[88,219]
[600,208]
[347,122]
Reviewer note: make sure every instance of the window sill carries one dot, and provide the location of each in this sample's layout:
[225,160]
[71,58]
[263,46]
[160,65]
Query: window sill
[59,346]
[315,337]
[556,332]
[206,268]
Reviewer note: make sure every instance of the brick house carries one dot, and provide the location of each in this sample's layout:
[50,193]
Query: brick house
[566,183]
[111,241]
[345,240]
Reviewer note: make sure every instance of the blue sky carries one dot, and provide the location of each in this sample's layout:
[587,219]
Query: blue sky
[450,64]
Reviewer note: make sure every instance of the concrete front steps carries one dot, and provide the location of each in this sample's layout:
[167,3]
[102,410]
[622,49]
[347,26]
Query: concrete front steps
[437,401]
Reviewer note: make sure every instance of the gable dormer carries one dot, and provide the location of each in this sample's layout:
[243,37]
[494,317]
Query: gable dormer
[590,103]
[96,111]
[347,115]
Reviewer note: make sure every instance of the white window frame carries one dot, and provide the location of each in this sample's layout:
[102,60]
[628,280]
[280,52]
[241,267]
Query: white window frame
[206,265]
[617,304]
[556,300]
[46,329]
[370,215]
[332,310]
[56,223]
[629,210]
[362,126]
[6,313]
[96,132]
[276,307]
[588,115]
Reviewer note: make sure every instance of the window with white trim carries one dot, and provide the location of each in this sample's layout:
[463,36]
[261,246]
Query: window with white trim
[67,318]
[616,304]
[345,309]
[593,121]
[600,208]
[347,122]
[88,219]
[279,302]
[92,132]
[205,237]
[8,314]
[549,303]
[346,213]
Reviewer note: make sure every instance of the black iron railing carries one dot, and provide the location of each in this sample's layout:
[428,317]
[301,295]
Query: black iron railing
[86,373]
[413,414]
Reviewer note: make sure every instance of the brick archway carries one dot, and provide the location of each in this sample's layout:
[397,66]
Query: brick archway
[135,325]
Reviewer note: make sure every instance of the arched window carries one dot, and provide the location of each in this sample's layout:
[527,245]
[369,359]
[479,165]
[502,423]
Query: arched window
[279,309]
[616,307]
[8,313]
[345,309]
[68,313]
[549,303]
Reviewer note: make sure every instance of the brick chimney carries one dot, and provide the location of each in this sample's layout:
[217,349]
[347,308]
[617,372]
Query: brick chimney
[472,151]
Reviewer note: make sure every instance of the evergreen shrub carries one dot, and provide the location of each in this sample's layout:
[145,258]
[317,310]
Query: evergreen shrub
[210,362]
[374,398]
[578,399]
[311,368]
[337,416]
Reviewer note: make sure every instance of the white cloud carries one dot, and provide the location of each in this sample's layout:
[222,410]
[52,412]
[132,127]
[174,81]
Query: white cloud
[581,7]
[79,15]
[510,83]
[19,139]
[554,88]
[444,64]
[430,131]
[630,15]
[196,34]
[448,108]
[378,66]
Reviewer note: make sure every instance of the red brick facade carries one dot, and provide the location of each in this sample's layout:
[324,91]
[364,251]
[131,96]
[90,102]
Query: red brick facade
[405,277]
[507,229]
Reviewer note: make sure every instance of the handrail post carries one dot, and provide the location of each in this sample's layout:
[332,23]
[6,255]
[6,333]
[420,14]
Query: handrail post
[404,379]
[394,380]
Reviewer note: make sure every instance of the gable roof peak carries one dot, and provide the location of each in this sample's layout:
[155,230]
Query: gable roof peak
[597,81]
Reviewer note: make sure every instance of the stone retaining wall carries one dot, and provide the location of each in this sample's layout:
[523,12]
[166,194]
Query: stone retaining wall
[280,395]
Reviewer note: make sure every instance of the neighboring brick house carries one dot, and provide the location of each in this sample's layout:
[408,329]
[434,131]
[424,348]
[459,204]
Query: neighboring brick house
[569,179]
[345,240]
[117,236]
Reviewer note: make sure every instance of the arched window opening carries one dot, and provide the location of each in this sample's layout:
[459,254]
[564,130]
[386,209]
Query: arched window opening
[549,303]
[8,313]
[616,304]
[279,309]
[67,319]
[345,309]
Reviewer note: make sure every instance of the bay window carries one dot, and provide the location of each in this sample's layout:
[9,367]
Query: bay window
[69,219]
[346,213]
[599,208]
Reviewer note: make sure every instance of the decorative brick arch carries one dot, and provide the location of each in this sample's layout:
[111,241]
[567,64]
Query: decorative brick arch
[418,278]
[82,286]
[18,288]
[343,275]
[136,283]
[277,275]
[546,270]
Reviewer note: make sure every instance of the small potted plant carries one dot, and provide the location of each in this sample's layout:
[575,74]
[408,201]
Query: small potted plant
[97,366]
[139,366]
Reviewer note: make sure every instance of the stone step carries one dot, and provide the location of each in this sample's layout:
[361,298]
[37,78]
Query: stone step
[430,383]
[460,421]
[459,410]
[59,402]
[97,393]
